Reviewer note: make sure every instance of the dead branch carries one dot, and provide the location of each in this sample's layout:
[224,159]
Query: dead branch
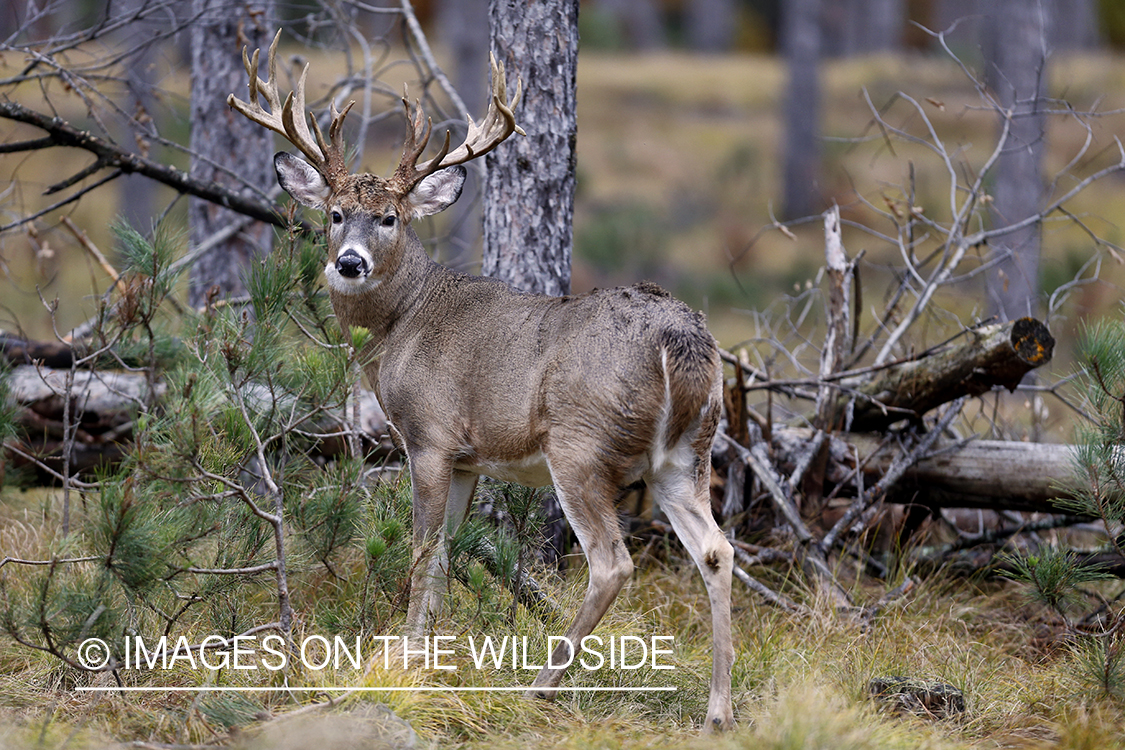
[103,406]
[111,156]
[837,341]
[811,553]
[878,492]
[771,596]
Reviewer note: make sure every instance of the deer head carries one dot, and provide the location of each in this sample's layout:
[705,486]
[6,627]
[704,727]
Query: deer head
[368,215]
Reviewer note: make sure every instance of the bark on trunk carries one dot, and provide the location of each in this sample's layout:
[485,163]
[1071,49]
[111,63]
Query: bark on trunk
[711,24]
[529,187]
[1017,73]
[800,41]
[220,137]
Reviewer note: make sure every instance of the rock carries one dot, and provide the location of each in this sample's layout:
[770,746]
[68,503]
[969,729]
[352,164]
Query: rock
[930,698]
[366,727]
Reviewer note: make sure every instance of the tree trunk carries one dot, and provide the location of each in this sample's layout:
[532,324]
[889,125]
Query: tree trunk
[800,41]
[220,137]
[710,25]
[529,186]
[638,21]
[1073,24]
[881,25]
[1017,73]
[135,192]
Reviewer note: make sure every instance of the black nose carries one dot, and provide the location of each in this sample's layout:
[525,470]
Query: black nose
[350,265]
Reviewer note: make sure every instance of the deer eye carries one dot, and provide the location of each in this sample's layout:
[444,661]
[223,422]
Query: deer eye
[337,217]
[389,221]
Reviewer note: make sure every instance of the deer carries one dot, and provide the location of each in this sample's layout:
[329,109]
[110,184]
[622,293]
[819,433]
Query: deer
[592,393]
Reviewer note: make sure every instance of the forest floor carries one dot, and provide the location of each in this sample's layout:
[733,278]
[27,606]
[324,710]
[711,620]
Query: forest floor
[799,681]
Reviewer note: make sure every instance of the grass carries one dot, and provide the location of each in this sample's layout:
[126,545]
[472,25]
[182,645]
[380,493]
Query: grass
[798,682]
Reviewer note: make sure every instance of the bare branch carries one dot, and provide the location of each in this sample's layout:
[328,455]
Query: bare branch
[110,155]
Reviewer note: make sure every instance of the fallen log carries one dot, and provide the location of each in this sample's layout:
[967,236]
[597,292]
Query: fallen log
[20,351]
[989,474]
[996,475]
[101,406]
[985,358]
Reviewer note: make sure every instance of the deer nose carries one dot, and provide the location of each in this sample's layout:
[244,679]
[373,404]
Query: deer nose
[350,265]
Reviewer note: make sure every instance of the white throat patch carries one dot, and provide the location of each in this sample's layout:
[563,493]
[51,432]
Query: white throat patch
[343,285]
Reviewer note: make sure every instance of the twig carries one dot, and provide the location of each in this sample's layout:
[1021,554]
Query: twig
[894,473]
[811,554]
[55,561]
[427,54]
[992,536]
[771,596]
[871,611]
[776,486]
[93,250]
[63,133]
[836,339]
[234,571]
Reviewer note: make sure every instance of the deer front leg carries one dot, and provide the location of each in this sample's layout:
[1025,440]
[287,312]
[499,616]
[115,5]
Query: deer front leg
[587,498]
[431,480]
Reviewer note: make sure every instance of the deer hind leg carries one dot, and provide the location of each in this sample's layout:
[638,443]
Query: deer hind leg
[441,499]
[686,501]
[587,496]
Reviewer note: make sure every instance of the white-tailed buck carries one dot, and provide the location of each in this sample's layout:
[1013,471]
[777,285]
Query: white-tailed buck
[590,392]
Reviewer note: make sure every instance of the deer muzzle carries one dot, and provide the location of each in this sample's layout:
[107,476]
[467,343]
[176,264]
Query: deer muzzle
[350,265]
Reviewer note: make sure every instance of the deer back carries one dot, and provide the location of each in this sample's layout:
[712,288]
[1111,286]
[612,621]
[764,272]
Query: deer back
[477,370]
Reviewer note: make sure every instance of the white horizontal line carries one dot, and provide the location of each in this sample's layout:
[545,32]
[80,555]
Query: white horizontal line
[420,689]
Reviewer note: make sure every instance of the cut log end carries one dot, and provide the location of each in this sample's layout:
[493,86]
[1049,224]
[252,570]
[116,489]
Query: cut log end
[1032,342]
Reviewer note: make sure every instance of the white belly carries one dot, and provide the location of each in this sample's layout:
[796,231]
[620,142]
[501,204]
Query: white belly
[530,471]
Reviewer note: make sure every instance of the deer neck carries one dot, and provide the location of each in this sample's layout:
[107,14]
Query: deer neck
[384,308]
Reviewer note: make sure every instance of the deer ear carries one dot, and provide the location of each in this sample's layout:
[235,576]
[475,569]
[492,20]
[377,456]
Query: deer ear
[301,180]
[437,192]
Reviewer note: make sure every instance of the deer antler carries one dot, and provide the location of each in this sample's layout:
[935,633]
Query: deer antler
[328,157]
[498,124]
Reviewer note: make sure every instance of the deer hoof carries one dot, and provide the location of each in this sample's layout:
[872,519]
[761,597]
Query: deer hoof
[717,724]
[543,694]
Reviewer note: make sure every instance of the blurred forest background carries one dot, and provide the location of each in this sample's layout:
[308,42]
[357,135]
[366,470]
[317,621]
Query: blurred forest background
[703,124]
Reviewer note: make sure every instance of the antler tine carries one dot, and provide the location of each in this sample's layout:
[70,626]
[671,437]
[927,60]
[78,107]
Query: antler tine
[333,149]
[497,125]
[419,127]
[290,118]
[294,120]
